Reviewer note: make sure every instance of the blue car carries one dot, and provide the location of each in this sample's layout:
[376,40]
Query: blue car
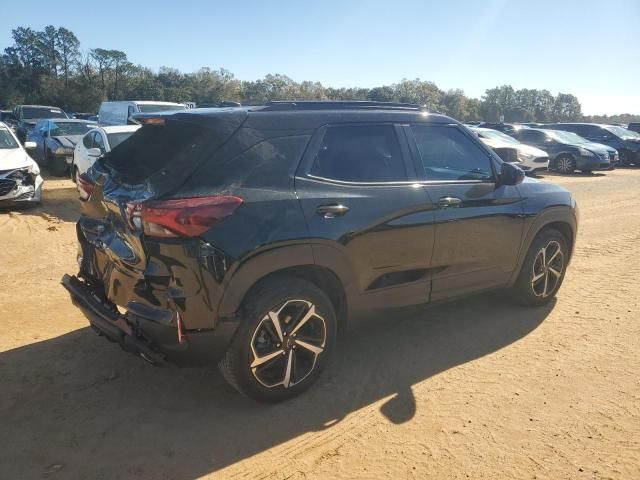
[567,151]
[626,142]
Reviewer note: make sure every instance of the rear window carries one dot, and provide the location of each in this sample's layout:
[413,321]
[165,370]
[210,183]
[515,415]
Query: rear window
[154,147]
[152,108]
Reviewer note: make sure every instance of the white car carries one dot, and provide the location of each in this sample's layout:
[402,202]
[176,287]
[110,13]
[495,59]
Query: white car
[20,180]
[96,143]
[529,158]
[122,112]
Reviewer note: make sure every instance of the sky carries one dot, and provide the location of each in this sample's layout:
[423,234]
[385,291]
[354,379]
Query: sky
[589,48]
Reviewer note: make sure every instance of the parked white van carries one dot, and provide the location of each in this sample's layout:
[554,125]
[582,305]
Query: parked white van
[120,113]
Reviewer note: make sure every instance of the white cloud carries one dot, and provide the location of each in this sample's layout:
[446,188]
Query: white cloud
[609,104]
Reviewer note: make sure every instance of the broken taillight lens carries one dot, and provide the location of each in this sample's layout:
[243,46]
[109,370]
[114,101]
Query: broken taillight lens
[85,187]
[188,217]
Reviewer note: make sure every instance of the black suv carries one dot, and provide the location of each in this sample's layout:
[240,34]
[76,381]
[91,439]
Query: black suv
[256,233]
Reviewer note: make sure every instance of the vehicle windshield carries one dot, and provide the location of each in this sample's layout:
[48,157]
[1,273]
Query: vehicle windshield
[116,139]
[496,135]
[155,107]
[70,128]
[7,142]
[567,137]
[42,112]
[619,131]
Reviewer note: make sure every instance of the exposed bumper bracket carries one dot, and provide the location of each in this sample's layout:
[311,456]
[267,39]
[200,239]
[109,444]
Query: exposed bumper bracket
[108,323]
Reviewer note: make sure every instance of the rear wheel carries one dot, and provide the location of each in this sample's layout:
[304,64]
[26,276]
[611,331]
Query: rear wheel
[286,337]
[543,269]
[565,164]
[625,158]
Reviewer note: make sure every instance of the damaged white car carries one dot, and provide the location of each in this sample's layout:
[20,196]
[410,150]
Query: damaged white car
[20,180]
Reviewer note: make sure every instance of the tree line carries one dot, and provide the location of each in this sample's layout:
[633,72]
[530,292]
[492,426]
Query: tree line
[48,67]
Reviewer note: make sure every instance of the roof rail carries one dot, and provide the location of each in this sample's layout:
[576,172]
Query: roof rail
[276,105]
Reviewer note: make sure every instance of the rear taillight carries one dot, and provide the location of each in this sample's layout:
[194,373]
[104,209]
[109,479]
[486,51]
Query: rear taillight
[85,187]
[188,217]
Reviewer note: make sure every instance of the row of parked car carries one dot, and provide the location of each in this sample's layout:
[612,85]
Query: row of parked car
[70,143]
[40,135]
[563,147]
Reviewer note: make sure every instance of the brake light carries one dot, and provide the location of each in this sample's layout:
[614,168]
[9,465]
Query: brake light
[151,121]
[188,217]
[85,187]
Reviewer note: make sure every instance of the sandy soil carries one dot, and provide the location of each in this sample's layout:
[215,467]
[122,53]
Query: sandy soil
[474,389]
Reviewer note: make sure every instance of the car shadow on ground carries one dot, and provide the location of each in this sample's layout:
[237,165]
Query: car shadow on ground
[79,406]
[574,174]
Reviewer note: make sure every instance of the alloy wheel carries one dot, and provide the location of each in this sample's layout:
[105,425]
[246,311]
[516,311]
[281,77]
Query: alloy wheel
[286,344]
[547,269]
[565,165]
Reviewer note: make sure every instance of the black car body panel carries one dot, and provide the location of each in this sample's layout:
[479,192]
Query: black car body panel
[373,242]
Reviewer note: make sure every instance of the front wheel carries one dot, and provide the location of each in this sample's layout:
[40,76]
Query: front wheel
[543,269]
[286,337]
[75,174]
[565,164]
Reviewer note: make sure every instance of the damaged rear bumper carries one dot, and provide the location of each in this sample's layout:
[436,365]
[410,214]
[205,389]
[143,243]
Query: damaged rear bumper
[158,342]
[108,323]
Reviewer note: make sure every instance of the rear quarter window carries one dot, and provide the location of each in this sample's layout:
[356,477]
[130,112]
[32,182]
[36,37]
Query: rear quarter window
[269,164]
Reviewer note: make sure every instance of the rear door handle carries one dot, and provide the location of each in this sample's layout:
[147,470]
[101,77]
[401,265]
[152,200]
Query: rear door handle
[332,211]
[446,202]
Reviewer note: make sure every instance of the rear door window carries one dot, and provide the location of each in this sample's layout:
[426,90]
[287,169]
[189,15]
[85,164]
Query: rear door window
[361,154]
[448,154]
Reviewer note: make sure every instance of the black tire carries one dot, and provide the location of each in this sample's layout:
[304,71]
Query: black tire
[565,164]
[75,174]
[528,291]
[285,295]
[625,158]
[57,166]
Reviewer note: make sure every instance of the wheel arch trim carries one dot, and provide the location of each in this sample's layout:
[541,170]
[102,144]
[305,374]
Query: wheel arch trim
[560,217]
[283,259]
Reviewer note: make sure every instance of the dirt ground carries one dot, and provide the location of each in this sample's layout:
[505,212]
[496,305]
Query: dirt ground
[474,389]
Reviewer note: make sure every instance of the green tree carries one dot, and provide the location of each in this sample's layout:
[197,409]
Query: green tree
[68,47]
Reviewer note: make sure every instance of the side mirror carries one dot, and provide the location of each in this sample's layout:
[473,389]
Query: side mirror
[511,174]
[30,145]
[94,152]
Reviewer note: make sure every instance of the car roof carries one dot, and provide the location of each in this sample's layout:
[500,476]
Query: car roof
[119,128]
[69,120]
[42,106]
[146,102]
[581,123]
[265,119]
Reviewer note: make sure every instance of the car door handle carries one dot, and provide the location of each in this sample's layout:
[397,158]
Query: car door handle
[332,211]
[446,202]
